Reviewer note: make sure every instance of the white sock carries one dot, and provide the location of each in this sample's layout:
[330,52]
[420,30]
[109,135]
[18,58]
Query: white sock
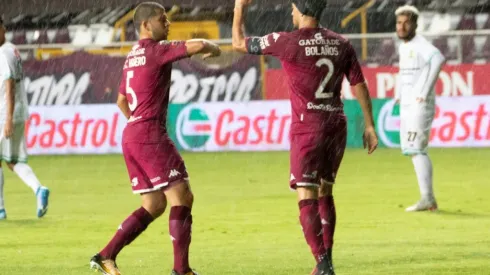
[2,206]
[423,170]
[26,174]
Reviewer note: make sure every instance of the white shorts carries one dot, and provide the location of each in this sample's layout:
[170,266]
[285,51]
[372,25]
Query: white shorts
[14,149]
[415,125]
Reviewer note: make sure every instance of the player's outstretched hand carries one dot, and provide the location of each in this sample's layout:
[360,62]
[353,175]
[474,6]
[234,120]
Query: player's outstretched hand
[370,139]
[215,53]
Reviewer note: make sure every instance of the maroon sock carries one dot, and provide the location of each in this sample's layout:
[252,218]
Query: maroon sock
[329,217]
[312,227]
[127,232]
[180,223]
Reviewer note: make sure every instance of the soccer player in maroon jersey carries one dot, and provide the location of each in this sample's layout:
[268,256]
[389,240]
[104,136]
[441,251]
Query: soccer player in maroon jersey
[315,61]
[156,170]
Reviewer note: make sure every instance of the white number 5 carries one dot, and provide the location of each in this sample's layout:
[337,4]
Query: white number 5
[129,90]
[320,93]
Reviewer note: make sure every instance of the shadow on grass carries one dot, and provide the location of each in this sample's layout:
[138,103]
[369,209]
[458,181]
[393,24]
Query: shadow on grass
[33,221]
[461,213]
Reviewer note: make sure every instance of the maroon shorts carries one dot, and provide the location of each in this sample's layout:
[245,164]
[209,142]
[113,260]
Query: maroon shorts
[153,166]
[316,157]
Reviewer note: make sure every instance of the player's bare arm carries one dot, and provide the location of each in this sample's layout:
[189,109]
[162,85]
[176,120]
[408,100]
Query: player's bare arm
[370,138]
[202,46]
[123,104]
[10,100]
[238,32]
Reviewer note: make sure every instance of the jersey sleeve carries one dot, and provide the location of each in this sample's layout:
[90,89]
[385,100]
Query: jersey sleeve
[353,70]
[274,44]
[427,51]
[8,67]
[170,51]
[429,74]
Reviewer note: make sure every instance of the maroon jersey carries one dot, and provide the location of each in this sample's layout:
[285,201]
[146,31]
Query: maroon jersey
[146,83]
[315,61]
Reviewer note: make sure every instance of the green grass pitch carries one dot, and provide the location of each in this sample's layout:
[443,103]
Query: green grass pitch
[246,218]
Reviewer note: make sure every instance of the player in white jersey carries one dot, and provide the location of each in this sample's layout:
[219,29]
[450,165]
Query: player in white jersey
[13,114]
[420,64]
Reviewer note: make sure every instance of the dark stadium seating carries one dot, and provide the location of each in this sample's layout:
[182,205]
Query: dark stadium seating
[384,53]
[468,22]
[83,22]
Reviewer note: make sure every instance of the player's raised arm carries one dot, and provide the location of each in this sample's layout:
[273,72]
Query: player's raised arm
[274,44]
[202,46]
[152,22]
[171,51]
[238,33]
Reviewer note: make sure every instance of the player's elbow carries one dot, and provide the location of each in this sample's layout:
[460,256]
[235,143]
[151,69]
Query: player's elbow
[200,46]
[361,88]
[438,60]
[236,45]
[239,46]
[442,60]
[235,42]
[195,46]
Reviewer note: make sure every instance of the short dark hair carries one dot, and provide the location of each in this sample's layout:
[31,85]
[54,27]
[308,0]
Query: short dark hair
[145,11]
[312,8]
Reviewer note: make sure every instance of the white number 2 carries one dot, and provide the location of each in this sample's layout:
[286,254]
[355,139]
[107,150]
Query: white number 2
[129,90]
[320,93]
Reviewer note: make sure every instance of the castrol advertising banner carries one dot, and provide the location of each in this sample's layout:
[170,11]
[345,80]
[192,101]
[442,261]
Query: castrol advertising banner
[80,129]
[454,80]
[265,125]
[250,126]
[458,122]
[244,126]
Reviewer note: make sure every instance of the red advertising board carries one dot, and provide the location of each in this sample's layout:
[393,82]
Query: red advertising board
[454,80]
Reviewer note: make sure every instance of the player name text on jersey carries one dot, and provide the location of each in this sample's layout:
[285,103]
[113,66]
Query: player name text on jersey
[321,46]
[136,62]
[320,51]
[138,58]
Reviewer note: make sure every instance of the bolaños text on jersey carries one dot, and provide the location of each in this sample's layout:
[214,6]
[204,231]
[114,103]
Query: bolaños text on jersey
[320,46]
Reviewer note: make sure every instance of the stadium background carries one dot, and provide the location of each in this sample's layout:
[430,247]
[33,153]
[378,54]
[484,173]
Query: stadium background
[73,53]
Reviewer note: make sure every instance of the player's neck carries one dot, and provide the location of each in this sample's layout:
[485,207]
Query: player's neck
[409,38]
[145,36]
[308,23]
